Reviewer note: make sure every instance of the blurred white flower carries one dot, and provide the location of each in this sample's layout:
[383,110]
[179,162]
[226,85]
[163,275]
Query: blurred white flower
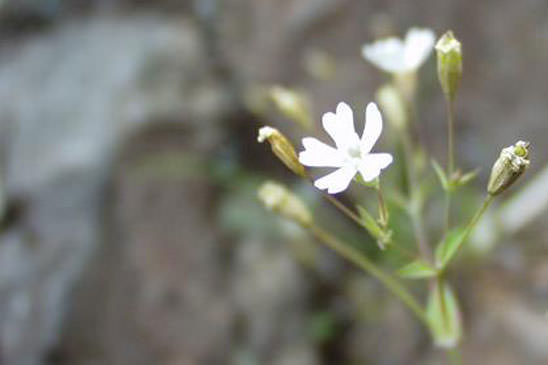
[352,155]
[401,56]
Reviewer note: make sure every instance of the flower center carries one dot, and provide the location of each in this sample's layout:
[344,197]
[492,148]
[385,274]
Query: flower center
[354,152]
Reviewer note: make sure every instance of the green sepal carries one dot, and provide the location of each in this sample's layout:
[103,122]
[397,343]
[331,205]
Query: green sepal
[370,184]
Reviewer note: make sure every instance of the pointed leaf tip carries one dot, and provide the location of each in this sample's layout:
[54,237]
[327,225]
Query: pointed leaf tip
[418,269]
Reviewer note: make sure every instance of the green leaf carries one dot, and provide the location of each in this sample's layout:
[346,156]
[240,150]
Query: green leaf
[418,269]
[441,175]
[444,316]
[466,178]
[449,246]
[369,223]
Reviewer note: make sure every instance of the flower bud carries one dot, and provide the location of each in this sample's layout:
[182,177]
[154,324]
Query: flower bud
[449,54]
[393,106]
[510,165]
[293,105]
[278,198]
[282,148]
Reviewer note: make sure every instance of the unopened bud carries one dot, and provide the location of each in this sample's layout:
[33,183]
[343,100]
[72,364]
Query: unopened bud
[392,105]
[510,165]
[278,198]
[449,52]
[293,105]
[282,148]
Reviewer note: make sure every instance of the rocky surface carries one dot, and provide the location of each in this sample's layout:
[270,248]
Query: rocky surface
[69,96]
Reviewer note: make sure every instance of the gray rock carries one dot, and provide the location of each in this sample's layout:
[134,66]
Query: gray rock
[69,96]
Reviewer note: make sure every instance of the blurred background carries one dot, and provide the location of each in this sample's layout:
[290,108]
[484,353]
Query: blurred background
[130,229]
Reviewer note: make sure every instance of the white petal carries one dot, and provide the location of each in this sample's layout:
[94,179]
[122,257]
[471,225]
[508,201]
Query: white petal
[331,126]
[340,126]
[346,120]
[372,129]
[382,160]
[371,165]
[418,46]
[318,154]
[345,116]
[336,181]
[329,122]
[387,54]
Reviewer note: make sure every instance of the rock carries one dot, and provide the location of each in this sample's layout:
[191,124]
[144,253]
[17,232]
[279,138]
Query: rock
[69,96]
[158,281]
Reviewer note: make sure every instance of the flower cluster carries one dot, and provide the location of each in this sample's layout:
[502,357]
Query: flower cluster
[351,157]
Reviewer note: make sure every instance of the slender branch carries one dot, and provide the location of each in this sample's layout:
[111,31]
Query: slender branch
[414,211]
[383,211]
[349,213]
[441,290]
[343,208]
[473,222]
[353,216]
[475,219]
[450,158]
[420,234]
[447,223]
[450,132]
[361,261]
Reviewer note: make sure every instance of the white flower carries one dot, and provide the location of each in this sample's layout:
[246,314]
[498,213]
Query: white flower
[396,56]
[352,155]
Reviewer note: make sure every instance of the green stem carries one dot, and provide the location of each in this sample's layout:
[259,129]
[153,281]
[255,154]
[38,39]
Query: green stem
[383,211]
[473,222]
[361,261]
[353,216]
[358,221]
[450,131]
[343,208]
[450,159]
[475,219]
[447,211]
[441,290]
[414,200]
